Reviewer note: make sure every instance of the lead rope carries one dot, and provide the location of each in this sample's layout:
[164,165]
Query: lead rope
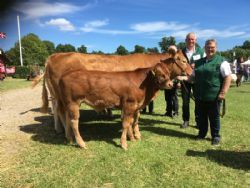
[186,90]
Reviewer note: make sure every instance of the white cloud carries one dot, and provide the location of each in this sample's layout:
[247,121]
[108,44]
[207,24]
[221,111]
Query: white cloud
[92,26]
[33,10]
[97,23]
[62,24]
[158,26]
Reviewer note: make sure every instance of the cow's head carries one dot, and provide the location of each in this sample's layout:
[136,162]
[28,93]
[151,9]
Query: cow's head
[162,76]
[177,63]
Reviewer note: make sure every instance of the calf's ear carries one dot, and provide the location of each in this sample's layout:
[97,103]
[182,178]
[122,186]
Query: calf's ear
[172,50]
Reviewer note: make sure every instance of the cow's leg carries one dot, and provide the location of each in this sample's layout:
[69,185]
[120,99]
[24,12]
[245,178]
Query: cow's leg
[57,122]
[130,129]
[72,122]
[136,126]
[126,125]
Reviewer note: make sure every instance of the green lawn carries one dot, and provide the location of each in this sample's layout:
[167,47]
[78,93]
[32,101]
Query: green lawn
[13,83]
[167,156]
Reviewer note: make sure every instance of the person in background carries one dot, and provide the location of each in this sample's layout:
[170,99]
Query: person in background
[171,99]
[192,53]
[245,72]
[239,70]
[212,79]
[150,108]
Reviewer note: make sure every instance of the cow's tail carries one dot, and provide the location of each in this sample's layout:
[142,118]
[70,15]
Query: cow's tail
[36,80]
[45,99]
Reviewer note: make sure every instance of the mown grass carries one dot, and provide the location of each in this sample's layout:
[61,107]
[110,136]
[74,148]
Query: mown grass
[13,83]
[167,156]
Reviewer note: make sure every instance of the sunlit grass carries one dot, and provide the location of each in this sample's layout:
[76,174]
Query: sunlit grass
[13,83]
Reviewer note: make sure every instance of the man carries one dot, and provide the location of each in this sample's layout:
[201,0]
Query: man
[192,53]
[212,78]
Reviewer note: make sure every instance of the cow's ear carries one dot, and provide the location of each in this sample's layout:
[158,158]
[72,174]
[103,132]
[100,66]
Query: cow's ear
[172,50]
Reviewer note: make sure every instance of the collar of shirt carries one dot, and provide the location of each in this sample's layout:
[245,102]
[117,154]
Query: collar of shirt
[189,53]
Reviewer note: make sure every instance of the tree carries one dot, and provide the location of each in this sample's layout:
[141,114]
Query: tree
[49,46]
[97,52]
[34,51]
[82,49]
[166,42]
[246,45]
[181,45]
[121,50]
[65,48]
[139,49]
[153,50]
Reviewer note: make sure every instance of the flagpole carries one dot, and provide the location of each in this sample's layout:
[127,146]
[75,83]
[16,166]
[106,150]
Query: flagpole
[20,45]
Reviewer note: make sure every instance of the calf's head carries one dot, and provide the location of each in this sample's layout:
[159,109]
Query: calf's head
[161,74]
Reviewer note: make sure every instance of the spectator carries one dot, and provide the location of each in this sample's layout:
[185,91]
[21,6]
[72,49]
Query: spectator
[239,70]
[150,108]
[192,53]
[171,99]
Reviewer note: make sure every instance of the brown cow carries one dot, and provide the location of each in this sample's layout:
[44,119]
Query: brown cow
[60,63]
[129,91]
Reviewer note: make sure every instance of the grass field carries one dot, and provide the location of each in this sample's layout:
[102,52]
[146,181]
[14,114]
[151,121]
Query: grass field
[10,83]
[167,156]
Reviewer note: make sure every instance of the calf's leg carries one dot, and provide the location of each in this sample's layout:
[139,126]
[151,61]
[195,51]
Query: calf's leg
[72,122]
[126,125]
[136,126]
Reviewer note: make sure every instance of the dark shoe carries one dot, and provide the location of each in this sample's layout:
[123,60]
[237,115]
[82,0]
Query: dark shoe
[198,137]
[151,112]
[168,114]
[216,141]
[185,124]
[175,114]
[143,111]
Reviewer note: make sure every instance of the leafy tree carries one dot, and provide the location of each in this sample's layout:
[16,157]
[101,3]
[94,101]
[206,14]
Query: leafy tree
[97,52]
[246,45]
[153,50]
[50,46]
[82,49]
[65,48]
[166,42]
[139,49]
[121,50]
[181,45]
[34,51]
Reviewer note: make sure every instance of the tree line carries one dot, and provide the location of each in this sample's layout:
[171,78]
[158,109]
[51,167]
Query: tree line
[35,51]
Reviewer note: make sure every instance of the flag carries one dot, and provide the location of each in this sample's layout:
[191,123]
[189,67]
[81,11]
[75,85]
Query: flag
[2,35]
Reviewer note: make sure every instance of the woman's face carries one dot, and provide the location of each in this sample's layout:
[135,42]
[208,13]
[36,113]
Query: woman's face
[210,49]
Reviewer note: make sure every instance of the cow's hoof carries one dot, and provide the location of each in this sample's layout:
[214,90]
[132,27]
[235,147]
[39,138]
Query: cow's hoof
[132,139]
[125,147]
[82,144]
[138,137]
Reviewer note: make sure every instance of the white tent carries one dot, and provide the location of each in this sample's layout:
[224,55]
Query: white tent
[246,62]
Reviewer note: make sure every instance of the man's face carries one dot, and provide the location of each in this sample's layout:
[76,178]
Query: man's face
[210,49]
[190,41]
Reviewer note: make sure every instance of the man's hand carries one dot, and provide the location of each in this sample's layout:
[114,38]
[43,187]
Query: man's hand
[181,78]
[221,95]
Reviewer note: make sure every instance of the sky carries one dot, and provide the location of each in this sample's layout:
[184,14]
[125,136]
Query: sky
[106,24]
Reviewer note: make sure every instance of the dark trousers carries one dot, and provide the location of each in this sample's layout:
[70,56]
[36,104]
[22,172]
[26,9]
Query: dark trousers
[185,94]
[150,107]
[209,111]
[171,99]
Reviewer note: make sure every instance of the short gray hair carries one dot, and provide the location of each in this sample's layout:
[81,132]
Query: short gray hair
[209,41]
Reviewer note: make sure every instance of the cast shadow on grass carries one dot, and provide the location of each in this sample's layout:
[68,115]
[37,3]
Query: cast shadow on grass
[232,159]
[168,132]
[92,127]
